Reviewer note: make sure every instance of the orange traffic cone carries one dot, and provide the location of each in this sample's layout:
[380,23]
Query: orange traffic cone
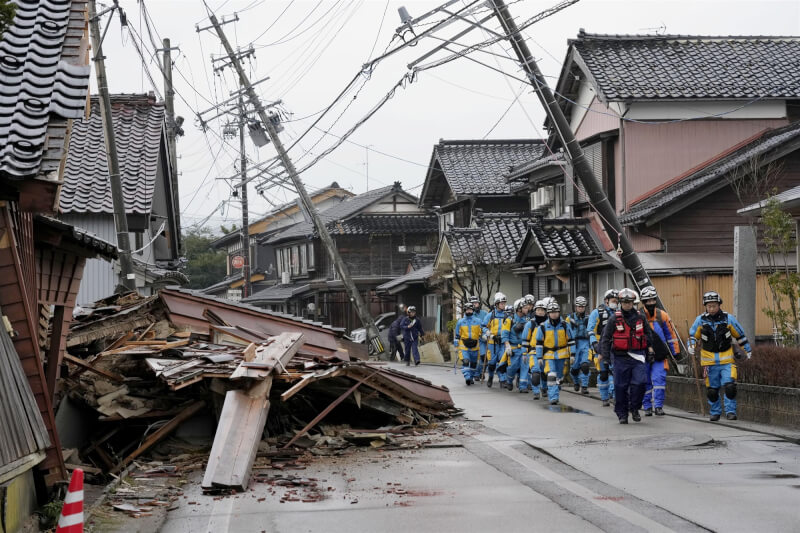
[71,519]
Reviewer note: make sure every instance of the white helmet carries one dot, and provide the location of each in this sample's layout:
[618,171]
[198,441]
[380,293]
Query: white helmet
[519,304]
[610,293]
[553,306]
[540,305]
[529,299]
[499,297]
[628,295]
[580,301]
[649,293]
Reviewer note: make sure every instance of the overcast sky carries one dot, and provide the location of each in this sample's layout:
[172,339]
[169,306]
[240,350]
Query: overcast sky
[312,49]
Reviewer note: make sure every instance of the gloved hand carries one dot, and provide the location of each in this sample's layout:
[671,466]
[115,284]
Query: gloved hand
[749,355]
[508,350]
[690,349]
[399,338]
[485,337]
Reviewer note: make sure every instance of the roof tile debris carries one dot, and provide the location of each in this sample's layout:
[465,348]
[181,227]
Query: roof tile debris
[717,170]
[138,125]
[43,83]
[478,167]
[652,67]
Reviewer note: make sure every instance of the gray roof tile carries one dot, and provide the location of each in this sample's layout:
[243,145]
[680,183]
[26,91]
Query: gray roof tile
[138,125]
[709,174]
[479,167]
[43,83]
[81,236]
[652,67]
[395,224]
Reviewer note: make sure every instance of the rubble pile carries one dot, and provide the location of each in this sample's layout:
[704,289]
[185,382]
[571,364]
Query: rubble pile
[142,366]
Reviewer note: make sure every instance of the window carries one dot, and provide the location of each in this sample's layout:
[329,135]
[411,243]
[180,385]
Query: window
[303,264]
[310,256]
[234,294]
[295,261]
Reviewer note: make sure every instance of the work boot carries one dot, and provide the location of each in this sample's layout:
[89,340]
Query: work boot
[576,387]
[584,390]
[408,362]
[523,390]
[648,412]
[553,402]
[536,395]
[659,411]
[731,416]
[623,420]
[510,385]
[489,381]
[636,416]
[606,404]
[469,381]
[713,418]
[416,363]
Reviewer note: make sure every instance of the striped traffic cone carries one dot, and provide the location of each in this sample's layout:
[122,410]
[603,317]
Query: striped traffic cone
[71,519]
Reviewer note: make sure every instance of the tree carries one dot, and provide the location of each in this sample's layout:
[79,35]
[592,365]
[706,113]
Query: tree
[7,11]
[477,274]
[205,265]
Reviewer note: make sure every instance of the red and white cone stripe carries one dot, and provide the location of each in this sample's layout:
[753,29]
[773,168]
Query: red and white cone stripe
[71,519]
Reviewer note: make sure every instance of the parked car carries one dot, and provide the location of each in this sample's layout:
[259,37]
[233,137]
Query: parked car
[382,322]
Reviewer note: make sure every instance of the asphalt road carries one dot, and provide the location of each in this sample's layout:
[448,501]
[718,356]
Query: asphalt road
[515,464]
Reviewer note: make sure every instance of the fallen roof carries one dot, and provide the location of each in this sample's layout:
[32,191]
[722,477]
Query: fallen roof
[659,67]
[711,177]
[415,277]
[477,167]
[139,129]
[43,83]
[277,293]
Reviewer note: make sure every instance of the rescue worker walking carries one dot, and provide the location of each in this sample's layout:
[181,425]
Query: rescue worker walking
[628,341]
[515,356]
[597,322]
[493,327]
[717,330]
[412,332]
[468,332]
[530,303]
[657,372]
[535,363]
[579,322]
[396,337]
[555,345]
[481,315]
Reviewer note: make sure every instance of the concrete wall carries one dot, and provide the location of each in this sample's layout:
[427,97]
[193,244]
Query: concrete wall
[778,406]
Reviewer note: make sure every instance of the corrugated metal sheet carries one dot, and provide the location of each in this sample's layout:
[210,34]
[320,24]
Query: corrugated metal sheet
[683,296]
[99,278]
[598,119]
[24,432]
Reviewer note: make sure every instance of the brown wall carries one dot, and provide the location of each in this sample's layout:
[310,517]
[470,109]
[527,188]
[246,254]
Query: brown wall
[656,154]
[596,121]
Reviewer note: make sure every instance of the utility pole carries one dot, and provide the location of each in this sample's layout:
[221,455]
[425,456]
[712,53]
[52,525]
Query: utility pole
[325,237]
[172,132]
[583,171]
[245,222]
[127,277]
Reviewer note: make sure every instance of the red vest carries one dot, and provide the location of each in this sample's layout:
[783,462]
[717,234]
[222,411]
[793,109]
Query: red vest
[627,338]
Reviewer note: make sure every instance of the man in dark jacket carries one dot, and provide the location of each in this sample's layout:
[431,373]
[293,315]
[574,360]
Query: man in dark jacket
[396,337]
[627,341]
[412,333]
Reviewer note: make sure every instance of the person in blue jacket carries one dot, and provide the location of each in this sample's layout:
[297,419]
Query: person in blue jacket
[515,357]
[412,333]
[481,315]
[579,322]
[597,322]
[466,337]
[494,325]
[554,345]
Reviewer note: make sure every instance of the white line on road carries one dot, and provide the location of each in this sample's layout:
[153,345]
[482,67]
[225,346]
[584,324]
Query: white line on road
[507,448]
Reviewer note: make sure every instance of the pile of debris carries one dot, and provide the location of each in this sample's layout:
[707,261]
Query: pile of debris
[144,366]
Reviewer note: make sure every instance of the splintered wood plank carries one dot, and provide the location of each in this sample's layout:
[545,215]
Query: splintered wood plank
[282,348]
[83,364]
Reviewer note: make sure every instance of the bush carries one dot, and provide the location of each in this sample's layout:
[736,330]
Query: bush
[772,365]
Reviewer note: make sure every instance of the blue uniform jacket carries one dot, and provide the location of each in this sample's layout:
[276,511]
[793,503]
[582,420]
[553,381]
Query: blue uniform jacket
[414,332]
[512,336]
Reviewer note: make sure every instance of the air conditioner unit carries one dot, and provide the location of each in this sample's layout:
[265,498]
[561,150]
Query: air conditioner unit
[285,278]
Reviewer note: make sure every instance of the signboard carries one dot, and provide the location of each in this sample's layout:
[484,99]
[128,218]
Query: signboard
[237,261]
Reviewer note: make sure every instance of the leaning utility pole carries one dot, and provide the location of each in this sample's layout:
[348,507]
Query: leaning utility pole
[325,237]
[594,190]
[127,277]
[172,132]
[245,222]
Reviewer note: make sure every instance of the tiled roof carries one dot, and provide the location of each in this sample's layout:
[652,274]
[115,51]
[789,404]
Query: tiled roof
[564,239]
[711,174]
[43,83]
[368,224]
[82,237]
[413,277]
[276,293]
[526,167]
[421,260]
[341,211]
[651,67]
[138,126]
[479,167]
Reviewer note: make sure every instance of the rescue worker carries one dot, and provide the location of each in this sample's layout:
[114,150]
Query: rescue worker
[481,315]
[530,302]
[412,333]
[396,336]
[493,327]
[717,330]
[515,357]
[467,336]
[535,363]
[657,373]
[627,340]
[579,322]
[597,322]
[555,345]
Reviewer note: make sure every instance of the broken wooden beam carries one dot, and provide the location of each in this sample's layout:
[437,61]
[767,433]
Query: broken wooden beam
[86,366]
[308,379]
[265,358]
[159,434]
